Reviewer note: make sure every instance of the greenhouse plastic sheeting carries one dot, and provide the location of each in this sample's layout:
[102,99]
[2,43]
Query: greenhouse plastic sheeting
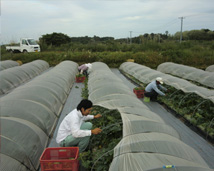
[148,143]
[154,162]
[8,64]
[13,77]
[210,68]
[189,73]
[146,75]
[13,164]
[29,123]
[22,140]
[158,143]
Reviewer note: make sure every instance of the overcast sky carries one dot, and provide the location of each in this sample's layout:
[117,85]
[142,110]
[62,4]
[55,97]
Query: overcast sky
[114,18]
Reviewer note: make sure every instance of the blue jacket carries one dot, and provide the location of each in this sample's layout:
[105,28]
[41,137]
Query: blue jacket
[154,87]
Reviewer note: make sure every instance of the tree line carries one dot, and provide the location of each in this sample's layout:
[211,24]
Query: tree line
[58,39]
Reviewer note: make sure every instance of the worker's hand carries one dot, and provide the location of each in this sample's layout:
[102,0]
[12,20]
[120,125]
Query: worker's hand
[97,116]
[96,131]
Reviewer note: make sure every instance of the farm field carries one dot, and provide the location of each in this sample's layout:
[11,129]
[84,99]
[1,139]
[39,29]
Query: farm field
[112,94]
[188,136]
[192,102]
[46,91]
[204,148]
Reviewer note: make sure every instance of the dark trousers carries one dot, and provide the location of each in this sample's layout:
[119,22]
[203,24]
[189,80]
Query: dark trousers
[84,72]
[153,95]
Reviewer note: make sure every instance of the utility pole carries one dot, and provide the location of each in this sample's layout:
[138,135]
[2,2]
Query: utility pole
[181,28]
[159,37]
[130,37]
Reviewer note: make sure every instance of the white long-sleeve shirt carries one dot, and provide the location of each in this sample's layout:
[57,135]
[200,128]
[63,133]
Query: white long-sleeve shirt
[71,126]
[153,86]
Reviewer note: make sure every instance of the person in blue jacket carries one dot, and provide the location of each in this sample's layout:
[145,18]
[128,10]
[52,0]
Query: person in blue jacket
[154,88]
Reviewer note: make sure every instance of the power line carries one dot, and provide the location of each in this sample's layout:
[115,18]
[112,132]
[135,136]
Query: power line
[193,15]
[172,22]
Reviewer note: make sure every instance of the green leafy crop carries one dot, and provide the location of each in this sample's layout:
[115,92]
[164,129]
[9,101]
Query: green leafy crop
[197,111]
[99,154]
[139,88]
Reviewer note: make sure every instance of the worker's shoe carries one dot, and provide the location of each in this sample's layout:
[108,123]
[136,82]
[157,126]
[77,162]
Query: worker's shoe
[154,99]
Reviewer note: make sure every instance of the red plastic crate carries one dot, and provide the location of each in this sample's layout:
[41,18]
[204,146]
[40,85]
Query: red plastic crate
[139,93]
[80,79]
[60,159]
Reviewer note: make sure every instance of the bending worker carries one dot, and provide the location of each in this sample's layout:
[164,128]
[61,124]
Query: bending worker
[74,131]
[84,69]
[154,88]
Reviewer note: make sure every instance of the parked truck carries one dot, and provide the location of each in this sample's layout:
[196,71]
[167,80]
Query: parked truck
[26,45]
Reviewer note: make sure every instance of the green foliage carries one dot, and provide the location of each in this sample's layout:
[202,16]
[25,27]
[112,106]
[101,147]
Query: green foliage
[55,39]
[198,111]
[193,53]
[3,49]
[86,39]
[139,88]
[85,89]
[100,151]
[194,108]
[203,34]
[200,34]
[175,56]
[80,75]
[99,154]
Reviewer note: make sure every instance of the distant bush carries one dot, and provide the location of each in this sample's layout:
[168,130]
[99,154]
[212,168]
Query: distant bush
[55,39]
[192,53]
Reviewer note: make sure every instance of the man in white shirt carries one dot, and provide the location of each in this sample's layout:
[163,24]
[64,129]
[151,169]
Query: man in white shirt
[74,131]
[154,88]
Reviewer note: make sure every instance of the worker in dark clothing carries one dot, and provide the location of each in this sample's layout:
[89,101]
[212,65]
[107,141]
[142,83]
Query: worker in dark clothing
[154,88]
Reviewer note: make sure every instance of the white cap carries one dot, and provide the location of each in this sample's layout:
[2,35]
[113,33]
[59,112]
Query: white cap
[159,79]
[89,65]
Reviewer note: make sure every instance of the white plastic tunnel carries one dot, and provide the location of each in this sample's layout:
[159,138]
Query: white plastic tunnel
[146,75]
[8,64]
[189,73]
[148,143]
[29,114]
[14,77]
[210,68]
